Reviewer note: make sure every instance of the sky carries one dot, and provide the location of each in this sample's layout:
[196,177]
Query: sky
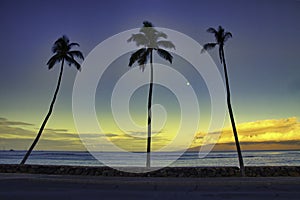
[262,58]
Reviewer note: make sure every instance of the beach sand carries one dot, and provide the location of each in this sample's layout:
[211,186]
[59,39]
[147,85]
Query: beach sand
[54,187]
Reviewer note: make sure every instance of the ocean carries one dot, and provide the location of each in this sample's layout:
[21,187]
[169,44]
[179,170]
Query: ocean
[188,159]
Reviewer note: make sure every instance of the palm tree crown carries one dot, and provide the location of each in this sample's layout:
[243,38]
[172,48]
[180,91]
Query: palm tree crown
[62,51]
[221,37]
[149,39]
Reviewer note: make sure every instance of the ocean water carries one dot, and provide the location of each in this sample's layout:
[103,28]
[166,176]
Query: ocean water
[188,159]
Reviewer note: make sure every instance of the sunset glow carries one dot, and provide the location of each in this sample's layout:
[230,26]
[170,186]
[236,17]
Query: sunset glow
[262,59]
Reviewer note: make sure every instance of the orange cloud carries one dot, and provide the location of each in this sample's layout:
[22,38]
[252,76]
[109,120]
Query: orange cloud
[271,132]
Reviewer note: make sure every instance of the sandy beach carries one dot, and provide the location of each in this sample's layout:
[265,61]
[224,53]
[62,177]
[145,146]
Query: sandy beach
[37,186]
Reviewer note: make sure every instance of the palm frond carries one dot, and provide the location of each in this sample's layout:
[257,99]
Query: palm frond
[76,54]
[161,34]
[73,44]
[227,35]
[211,30]
[72,61]
[144,58]
[166,44]
[53,60]
[56,47]
[165,55]
[136,56]
[61,44]
[62,40]
[149,31]
[208,46]
[139,38]
[216,34]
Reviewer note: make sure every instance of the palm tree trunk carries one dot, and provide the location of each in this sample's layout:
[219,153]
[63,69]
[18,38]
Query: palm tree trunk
[149,111]
[241,162]
[46,118]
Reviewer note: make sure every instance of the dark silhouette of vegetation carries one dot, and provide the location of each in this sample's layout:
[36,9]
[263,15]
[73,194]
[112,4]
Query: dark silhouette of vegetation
[221,37]
[62,53]
[148,38]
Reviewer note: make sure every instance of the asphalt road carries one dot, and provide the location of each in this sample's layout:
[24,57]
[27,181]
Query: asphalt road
[55,187]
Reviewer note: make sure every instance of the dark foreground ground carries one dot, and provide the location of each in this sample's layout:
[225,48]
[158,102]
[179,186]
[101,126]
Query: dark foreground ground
[54,187]
[191,172]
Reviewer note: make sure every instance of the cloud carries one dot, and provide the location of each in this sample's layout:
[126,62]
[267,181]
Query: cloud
[19,135]
[143,134]
[136,141]
[111,135]
[11,129]
[54,130]
[263,132]
[266,130]
[5,122]
[97,135]
[288,142]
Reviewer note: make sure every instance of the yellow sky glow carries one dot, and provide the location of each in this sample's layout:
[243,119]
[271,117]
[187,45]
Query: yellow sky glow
[263,134]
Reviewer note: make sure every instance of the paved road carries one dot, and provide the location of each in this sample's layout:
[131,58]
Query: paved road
[55,187]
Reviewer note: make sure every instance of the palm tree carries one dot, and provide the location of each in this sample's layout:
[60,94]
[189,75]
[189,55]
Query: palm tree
[62,52]
[221,37]
[148,38]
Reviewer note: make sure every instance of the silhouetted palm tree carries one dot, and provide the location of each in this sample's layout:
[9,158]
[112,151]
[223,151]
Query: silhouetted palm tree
[148,38]
[62,52]
[221,37]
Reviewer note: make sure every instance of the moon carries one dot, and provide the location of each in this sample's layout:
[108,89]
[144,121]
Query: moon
[187,83]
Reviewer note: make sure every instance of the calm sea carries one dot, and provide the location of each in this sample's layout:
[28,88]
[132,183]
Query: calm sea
[188,159]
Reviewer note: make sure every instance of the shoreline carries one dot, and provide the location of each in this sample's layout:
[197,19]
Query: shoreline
[190,172]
